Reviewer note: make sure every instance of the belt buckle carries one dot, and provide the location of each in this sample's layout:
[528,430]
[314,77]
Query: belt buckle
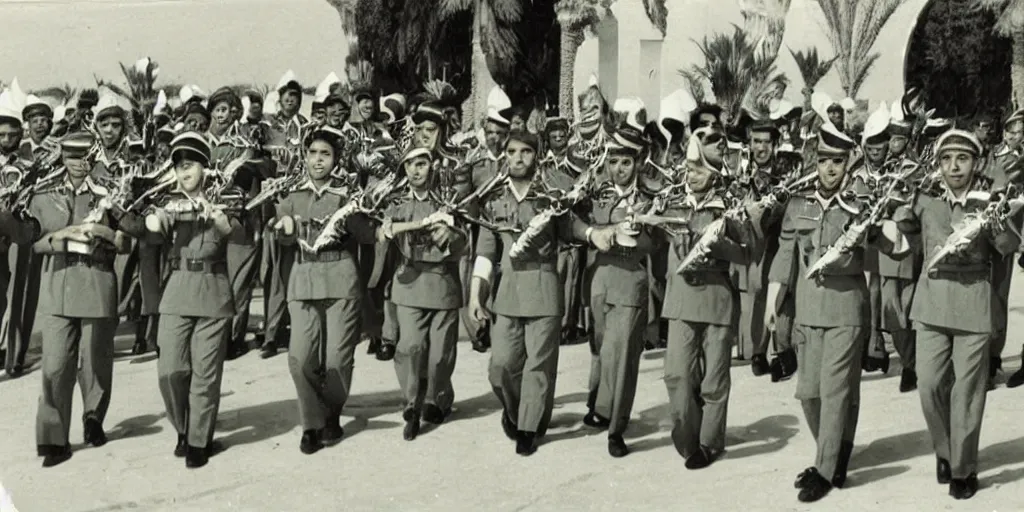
[694,278]
[194,265]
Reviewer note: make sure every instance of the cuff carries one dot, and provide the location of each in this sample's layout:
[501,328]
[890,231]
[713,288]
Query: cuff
[482,268]
[587,233]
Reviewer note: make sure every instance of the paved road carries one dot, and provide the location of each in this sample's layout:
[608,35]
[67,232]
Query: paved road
[467,464]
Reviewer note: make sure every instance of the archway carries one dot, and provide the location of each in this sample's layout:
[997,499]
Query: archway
[953,56]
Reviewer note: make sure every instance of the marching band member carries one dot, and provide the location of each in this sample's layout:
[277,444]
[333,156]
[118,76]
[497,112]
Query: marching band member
[830,310]
[197,305]
[527,302]
[38,115]
[111,124]
[618,290]
[325,291]
[427,293]
[700,305]
[952,306]
[78,301]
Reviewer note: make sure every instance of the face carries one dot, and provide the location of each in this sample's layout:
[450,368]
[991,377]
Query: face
[876,153]
[336,114]
[163,151]
[761,147]
[189,174]
[699,178]
[78,168]
[366,109]
[319,115]
[590,113]
[714,146]
[10,137]
[517,123]
[220,116]
[621,167]
[290,102]
[957,169]
[837,117]
[558,139]
[520,158]
[983,131]
[39,126]
[319,160]
[196,122]
[495,136]
[831,171]
[427,134]
[417,171]
[111,131]
[255,109]
[706,120]
[898,144]
[1013,135]
[236,113]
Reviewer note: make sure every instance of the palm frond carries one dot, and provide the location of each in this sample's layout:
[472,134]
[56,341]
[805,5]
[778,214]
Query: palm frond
[578,15]
[449,8]
[853,27]
[657,12]
[694,83]
[504,11]
[812,68]
[360,74]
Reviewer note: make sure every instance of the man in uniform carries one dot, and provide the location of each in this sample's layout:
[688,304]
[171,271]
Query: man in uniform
[78,301]
[39,117]
[829,331]
[952,309]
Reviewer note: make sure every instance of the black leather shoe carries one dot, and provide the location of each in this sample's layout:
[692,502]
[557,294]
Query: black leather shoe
[617,446]
[139,347]
[412,424]
[268,350]
[195,457]
[54,455]
[804,477]
[181,448]
[842,464]
[700,459]
[595,420]
[815,487]
[526,443]
[783,366]
[759,365]
[995,363]
[943,474]
[908,380]
[373,345]
[964,488]
[1016,380]
[94,434]
[650,345]
[332,432]
[508,426]
[434,414]
[310,442]
[236,350]
[386,352]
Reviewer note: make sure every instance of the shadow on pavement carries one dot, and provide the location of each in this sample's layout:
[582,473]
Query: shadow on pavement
[867,476]
[1001,454]
[892,449]
[138,426]
[765,435]
[256,423]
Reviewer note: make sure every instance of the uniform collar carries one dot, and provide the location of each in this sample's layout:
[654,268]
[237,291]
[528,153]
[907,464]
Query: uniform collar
[1005,150]
[101,155]
[88,185]
[417,196]
[515,193]
[835,200]
[318,192]
[710,201]
[626,192]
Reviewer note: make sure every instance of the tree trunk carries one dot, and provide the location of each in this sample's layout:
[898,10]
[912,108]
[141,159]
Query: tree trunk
[475,106]
[569,47]
[1017,70]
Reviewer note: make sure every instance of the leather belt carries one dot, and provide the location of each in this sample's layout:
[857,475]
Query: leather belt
[199,265]
[323,256]
[82,260]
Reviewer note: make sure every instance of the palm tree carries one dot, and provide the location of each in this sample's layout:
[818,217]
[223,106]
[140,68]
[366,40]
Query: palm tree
[1011,24]
[738,74]
[576,18]
[853,26]
[764,21]
[141,92]
[496,46]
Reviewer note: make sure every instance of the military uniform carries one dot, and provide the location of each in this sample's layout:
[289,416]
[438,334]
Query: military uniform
[701,306]
[619,298]
[829,328]
[528,307]
[1002,268]
[78,307]
[952,314]
[324,300]
[427,294]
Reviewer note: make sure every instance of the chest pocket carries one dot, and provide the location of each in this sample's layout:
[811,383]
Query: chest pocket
[503,213]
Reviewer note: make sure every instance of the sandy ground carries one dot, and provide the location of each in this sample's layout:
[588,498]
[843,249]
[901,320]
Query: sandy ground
[467,464]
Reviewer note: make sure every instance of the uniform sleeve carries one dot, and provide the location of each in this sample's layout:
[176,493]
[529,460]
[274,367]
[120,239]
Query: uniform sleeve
[1004,240]
[907,218]
[571,228]
[362,228]
[783,265]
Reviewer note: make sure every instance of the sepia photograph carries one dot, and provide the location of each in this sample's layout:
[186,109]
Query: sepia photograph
[511,255]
